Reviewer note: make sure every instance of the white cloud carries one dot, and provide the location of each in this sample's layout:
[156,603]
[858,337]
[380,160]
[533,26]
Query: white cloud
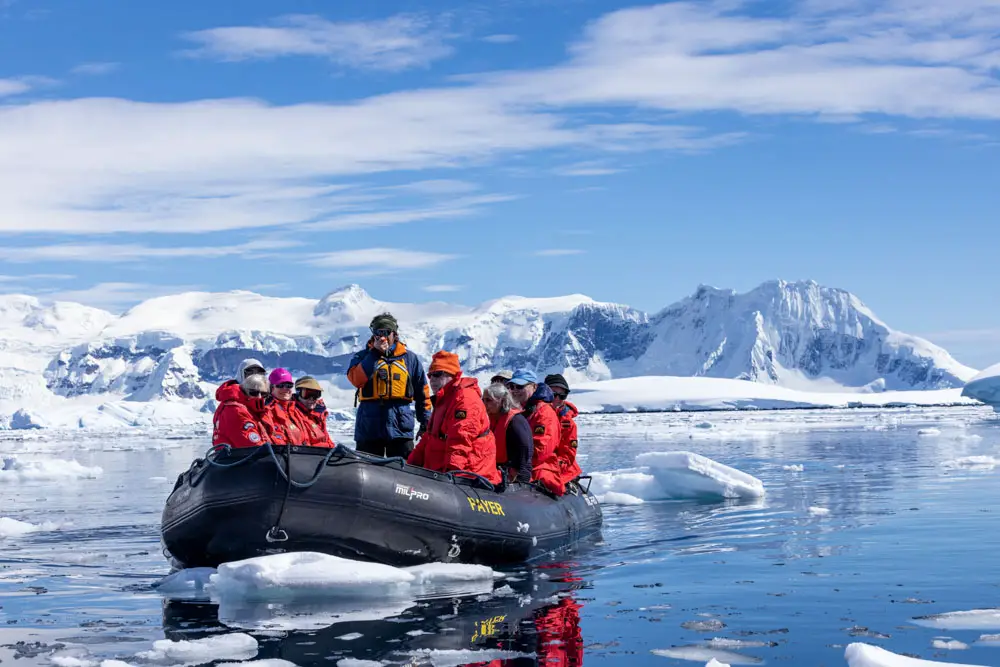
[586,169]
[115,296]
[36,276]
[115,166]
[134,252]
[395,43]
[96,68]
[500,39]
[460,207]
[378,260]
[442,288]
[23,84]
[558,252]
[442,186]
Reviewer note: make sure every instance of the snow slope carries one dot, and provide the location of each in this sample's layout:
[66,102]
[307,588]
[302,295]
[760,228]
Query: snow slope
[160,362]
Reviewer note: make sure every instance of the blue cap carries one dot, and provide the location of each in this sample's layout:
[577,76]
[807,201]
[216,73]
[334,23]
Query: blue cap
[523,376]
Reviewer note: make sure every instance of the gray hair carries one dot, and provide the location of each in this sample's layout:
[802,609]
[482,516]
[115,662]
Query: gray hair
[255,383]
[500,393]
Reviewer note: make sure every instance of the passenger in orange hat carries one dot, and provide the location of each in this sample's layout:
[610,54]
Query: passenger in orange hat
[458,436]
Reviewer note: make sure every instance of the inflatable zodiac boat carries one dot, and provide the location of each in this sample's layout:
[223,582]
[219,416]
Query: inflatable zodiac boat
[243,503]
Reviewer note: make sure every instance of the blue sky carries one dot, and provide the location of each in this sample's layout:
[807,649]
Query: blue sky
[463,151]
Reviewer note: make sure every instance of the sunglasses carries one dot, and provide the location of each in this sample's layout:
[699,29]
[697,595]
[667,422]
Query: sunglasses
[382,333]
[437,374]
[309,394]
[253,393]
[285,385]
[516,387]
[253,370]
[560,395]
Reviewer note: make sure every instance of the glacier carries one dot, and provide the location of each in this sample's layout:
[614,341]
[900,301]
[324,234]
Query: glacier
[782,344]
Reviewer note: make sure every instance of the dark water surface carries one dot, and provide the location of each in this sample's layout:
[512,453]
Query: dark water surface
[911,530]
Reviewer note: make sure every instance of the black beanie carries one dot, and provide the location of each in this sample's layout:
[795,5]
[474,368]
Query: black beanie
[557,380]
[384,321]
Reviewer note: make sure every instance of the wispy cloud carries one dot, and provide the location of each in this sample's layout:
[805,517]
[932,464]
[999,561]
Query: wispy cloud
[396,43]
[35,276]
[115,296]
[375,261]
[134,252]
[459,207]
[23,84]
[558,252]
[441,186]
[500,39]
[442,288]
[95,68]
[586,169]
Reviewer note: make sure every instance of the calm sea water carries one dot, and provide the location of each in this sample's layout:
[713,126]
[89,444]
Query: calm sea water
[908,533]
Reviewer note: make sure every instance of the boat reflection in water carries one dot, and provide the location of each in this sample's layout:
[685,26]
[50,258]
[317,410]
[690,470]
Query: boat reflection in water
[531,618]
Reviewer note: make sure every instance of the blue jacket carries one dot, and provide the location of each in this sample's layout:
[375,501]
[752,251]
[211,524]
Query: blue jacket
[389,418]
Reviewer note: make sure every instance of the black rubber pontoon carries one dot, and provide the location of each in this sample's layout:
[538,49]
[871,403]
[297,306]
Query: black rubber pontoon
[237,504]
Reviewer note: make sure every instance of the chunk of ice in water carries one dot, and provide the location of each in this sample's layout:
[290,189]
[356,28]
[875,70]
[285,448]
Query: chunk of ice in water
[698,653]
[232,646]
[974,619]
[677,475]
[866,655]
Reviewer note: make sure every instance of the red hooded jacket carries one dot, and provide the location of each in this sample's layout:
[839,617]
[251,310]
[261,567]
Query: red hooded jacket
[312,423]
[240,421]
[284,430]
[566,450]
[459,436]
[545,431]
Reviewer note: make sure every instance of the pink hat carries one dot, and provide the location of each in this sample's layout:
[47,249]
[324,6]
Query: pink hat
[279,375]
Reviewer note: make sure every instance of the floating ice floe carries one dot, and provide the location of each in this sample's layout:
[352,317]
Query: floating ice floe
[984,462]
[798,467]
[16,470]
[974,619]
[866,655]
[819,511]
[233,646]
[14,528]
[616,498]
[192,583]
[701,653]
[355,662]
[309,575]
[988,640]
[949,644]
[267,662]
[675,476]
[928,431]
[457,657]
[715,663]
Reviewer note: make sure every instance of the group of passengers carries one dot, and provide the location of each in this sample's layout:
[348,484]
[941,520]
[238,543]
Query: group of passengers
[257,408]
[518,430]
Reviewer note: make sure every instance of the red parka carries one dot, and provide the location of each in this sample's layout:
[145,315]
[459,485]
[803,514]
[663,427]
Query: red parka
[459,436]
[240,421]
[566,452]
[545,431]
[312,423]
[284,430]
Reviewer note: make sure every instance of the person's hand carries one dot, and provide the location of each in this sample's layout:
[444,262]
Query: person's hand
[380,344]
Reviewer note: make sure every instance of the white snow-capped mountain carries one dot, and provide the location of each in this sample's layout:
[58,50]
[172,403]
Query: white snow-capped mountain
[176,349]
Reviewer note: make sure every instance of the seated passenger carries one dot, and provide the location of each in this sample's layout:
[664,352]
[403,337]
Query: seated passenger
[534,399]
[458,436]
[511,432]
[241,419]
[501,377]
[309,412]
[285,431]
[567,412]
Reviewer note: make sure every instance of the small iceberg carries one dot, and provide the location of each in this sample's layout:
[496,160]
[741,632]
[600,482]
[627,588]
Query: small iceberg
[674,476]
[974,619]
[866,655]
[985,387]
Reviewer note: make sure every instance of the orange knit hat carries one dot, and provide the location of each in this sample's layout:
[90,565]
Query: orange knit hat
[447,362]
